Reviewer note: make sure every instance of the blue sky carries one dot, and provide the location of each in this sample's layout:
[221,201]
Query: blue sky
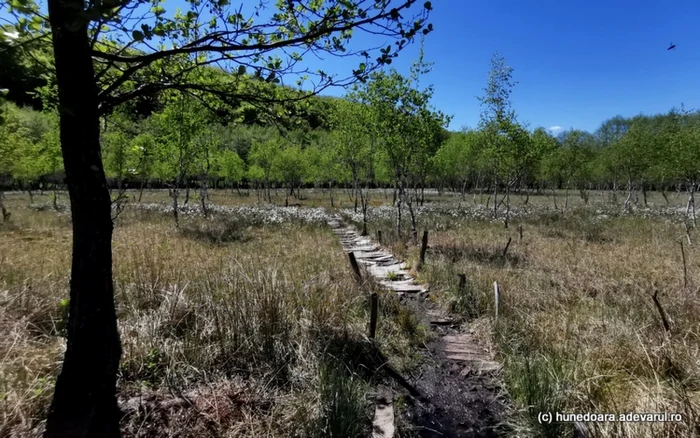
[577,63]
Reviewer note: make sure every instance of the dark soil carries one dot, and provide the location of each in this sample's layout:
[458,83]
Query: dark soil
[458,401]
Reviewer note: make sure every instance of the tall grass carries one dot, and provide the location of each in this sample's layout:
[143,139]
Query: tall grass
[578,330]
[226,325]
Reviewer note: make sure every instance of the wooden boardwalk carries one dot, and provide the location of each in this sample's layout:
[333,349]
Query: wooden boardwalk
[461,403]
[379,263]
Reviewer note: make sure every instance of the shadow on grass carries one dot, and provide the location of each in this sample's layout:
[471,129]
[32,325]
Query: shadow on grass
[214,232]
[486,255]
[580,224]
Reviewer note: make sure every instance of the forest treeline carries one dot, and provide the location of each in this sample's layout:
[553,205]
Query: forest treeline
[382,133]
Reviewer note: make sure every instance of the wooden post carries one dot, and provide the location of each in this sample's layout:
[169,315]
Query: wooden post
[520,231]
[497,298]
[423,248]
[505,250]
[462,282]
[355,266]
[379,236]
[374,301]
[685,268]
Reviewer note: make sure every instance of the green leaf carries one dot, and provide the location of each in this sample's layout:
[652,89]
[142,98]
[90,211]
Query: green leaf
[241,70]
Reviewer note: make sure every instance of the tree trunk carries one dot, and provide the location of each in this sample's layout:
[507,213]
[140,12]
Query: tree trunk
[354,184]
[414,230]
[143,184]
[203,195]
[505,222]
[175,193]
[330,191]
[691,205]
[398,207]
[55,196]
[187,191]
[84,401]
[495,198]
[663,193]
[627,205]
[583,194]
[3,210]
[365,200]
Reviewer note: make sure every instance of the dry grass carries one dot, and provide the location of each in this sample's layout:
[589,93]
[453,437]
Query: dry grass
[239,329]
[228,328]
[579,331]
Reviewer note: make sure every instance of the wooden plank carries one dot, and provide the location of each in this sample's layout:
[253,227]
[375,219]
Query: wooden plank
[383,423]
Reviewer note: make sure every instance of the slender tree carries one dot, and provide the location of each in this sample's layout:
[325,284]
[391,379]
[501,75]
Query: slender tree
[104,56]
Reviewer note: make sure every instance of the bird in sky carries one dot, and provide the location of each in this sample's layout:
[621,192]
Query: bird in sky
[671,47]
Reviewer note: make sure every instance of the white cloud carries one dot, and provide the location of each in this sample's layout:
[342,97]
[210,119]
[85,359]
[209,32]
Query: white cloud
[12,35]
[555,128]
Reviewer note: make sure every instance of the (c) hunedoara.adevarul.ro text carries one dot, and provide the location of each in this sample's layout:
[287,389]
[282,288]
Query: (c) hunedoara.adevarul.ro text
[632,417]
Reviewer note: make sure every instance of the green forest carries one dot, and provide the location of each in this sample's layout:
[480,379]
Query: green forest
[383,133]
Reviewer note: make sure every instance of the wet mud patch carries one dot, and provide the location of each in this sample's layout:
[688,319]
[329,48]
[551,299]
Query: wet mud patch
[460,385]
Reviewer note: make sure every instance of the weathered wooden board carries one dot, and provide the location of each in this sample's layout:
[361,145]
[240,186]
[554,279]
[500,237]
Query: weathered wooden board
[380,264]
[383,423]
[463,348]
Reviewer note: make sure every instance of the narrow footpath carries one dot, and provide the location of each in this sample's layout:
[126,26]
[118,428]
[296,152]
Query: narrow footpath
[460,394]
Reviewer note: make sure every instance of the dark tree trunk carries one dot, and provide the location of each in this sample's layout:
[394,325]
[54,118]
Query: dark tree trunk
[3,210]
[175,193]
[203,195]
[414,230]
[55,196]
[143,184]
[84,402]
[495,198]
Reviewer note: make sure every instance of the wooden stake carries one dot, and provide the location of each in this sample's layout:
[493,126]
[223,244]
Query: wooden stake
[355,266]
[685,268]
[462,282]
[379,236]
[520,231]
[374,300]
[505,250]
[497,298]
[423,248]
